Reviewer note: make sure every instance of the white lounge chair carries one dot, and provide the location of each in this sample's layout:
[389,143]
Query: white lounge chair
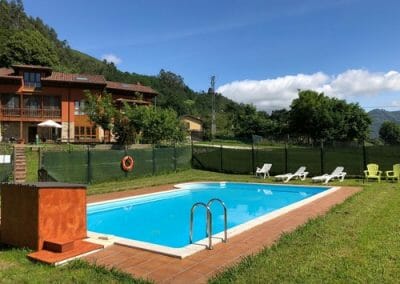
[264,170]
[300,173]
[337,173]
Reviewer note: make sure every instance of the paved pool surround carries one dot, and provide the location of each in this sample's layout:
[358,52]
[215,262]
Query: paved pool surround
[199,267]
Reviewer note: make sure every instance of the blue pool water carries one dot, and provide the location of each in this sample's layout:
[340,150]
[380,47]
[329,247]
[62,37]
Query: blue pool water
[163,218]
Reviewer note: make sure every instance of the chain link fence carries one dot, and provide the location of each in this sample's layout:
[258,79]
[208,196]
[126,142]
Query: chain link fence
[318,160]
[92,165]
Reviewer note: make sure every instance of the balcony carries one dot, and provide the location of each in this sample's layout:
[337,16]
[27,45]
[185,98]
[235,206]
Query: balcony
[29,113]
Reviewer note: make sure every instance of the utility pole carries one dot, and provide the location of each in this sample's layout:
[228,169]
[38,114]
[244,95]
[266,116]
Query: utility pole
[213,125]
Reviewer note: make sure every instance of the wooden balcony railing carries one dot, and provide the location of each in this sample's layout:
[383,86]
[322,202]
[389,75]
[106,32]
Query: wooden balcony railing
[30,112]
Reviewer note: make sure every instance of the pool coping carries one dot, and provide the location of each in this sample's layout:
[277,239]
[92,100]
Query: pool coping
[202,244]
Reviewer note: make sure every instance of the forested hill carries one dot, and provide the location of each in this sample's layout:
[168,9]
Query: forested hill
[378,116]
[27,40]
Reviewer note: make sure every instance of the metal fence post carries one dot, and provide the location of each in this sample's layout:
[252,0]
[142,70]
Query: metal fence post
[154,160]
[252,159]
[286,158]
[126,153]
[221,168]
[175,157]
[322,157]
[40,157]
[364,155]
[89,166]
[191,159]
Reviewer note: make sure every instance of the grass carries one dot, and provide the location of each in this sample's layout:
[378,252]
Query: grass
[32,165]
[16,268]
[357,241]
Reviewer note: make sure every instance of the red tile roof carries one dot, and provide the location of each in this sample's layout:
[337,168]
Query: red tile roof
[130,87]
[35,67]
[75,78]
[6,71]
[6,74]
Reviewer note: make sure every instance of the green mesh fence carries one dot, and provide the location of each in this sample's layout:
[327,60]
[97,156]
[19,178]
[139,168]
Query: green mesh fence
[143,162]
[351,158]
[106,165]
[66,166]
[237,161]
[274,156]
[95,166]
[317,160]
[165,160]
[6,169]
[184,157]
[384,156]
[308,157]
[207,158]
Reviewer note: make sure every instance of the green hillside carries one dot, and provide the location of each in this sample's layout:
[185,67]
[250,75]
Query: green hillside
[27,40]
[378,116]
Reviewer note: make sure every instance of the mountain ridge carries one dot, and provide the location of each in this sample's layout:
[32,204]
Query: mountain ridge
[378,116]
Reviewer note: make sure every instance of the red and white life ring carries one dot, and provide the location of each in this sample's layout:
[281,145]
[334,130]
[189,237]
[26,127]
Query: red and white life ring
[127,163]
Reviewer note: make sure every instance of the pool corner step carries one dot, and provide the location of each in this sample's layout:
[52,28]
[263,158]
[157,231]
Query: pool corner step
[58,245]
[80,248]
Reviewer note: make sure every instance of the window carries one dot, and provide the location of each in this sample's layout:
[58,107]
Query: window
[51,102]
[85,133]
[32,79]
[79,107]
[10,101]
[32,102]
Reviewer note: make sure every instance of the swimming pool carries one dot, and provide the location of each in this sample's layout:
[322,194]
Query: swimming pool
[161,220]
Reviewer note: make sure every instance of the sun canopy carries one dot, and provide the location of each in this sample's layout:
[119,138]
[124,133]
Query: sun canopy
[49,123]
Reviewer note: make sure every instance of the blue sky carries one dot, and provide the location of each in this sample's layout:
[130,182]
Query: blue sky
[260,51]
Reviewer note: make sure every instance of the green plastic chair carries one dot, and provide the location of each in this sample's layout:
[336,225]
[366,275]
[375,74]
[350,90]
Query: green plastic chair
[395,174]
[373,172]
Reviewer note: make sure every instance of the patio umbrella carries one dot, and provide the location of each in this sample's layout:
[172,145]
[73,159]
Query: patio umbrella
[50,124]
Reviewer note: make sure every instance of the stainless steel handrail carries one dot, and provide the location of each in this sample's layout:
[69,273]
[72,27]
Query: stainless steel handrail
[225,216]
[208,223]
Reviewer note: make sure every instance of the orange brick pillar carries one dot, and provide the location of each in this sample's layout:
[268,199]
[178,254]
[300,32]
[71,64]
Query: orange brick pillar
[33,213]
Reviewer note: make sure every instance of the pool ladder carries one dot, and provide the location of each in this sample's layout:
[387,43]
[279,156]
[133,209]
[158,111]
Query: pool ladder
[209,220]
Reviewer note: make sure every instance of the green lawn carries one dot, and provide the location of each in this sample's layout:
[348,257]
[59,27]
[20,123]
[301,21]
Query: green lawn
[16,268]
[357,241]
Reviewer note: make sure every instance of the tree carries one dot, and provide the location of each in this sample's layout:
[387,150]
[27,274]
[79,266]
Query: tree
[316,116]
[247,121]
[153,125]
[390,132]
[100,109]
[129,123]
[29,47]
[163,125]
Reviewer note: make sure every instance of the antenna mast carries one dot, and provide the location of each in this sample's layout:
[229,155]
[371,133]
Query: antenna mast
[213,125]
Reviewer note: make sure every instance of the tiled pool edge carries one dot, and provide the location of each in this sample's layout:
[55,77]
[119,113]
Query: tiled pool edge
[198,268]
[217,238]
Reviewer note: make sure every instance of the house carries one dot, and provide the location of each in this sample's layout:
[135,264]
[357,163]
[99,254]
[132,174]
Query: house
[194,125]
[31,94]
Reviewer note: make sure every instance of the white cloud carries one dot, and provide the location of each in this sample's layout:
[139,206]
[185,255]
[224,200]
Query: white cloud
[278,93]
[111,58]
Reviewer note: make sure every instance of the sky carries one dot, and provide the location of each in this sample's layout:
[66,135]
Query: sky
[261,51]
